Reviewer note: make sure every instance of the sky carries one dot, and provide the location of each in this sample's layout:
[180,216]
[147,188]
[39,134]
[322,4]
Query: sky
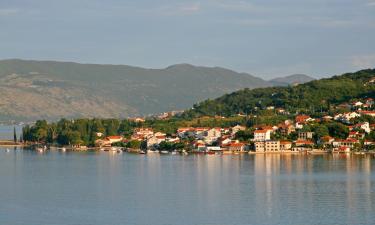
[266,38]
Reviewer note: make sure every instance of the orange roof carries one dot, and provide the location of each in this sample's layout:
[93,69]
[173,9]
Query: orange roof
[236,144]
[304,142]
[302,118]
[260,131]
[114,137]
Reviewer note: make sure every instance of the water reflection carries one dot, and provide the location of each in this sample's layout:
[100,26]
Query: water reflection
[105,188]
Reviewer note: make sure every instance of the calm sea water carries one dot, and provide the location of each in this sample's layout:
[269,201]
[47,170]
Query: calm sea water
[104,188]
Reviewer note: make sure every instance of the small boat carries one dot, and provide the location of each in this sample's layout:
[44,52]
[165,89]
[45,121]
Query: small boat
[142,152]
[174,153]
[7,150]
[150,151]
[39,149]
[164,152]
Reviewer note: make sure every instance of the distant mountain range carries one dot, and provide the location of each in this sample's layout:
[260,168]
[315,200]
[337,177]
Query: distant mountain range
[292,79]
[32,90]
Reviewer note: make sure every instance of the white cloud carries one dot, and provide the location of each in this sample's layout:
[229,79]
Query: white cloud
[363,61]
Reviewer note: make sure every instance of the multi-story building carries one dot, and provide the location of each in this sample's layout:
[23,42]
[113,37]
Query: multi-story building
[262,135]
[267,146]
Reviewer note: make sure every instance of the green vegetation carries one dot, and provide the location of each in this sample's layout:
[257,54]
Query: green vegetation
[76,132]
[313,97]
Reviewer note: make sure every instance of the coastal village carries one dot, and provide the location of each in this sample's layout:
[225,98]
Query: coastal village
[291,135]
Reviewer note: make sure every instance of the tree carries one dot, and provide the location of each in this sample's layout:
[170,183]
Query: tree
[244,135]
[338,130]
[14,135]
[320,130]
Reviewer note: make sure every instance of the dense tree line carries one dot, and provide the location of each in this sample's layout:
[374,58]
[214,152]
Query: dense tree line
[74,132]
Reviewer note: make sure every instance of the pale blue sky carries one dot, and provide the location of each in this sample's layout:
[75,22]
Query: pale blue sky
[266,38]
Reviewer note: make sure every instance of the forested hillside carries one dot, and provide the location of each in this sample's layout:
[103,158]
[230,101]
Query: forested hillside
[317,95]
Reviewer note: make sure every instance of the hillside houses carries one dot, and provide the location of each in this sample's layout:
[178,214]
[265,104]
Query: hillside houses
[301,132]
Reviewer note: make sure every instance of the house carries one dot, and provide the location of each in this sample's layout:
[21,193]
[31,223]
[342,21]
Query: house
[300,143]
[185,132]
[286,129]
[305,135]
[99,134]
[155,140]
[225,130]
[356,104]
[138,120]
[237,128]
[200,132]
[327,118]
[142,133]
[349,143]
[102,143]
[267,146]
[346,117]
[237,147]
[363,126]
[114,139]
[303,119]
[262,135]
[326,140]
[224,140]
[173,139]
[368,113]
[212,135]
[260,146]
[356,135]
[285,145]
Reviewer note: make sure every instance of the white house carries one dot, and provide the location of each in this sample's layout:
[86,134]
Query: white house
[346,117]
[262,135]
[237,128]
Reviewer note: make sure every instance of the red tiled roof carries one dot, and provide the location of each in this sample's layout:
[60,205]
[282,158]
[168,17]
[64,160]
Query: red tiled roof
[114,137]
[260,131]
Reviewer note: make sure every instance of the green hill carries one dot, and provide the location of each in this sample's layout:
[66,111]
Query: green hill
[317,95]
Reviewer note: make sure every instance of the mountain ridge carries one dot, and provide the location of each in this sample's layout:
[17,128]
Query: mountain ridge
[48,89]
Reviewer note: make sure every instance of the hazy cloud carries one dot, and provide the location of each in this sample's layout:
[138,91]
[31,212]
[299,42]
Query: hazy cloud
[363,61]
[371,3]
[175,9]
[8,12]
[236,5]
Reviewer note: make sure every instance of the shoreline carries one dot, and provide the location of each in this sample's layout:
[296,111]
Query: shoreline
[139,151]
